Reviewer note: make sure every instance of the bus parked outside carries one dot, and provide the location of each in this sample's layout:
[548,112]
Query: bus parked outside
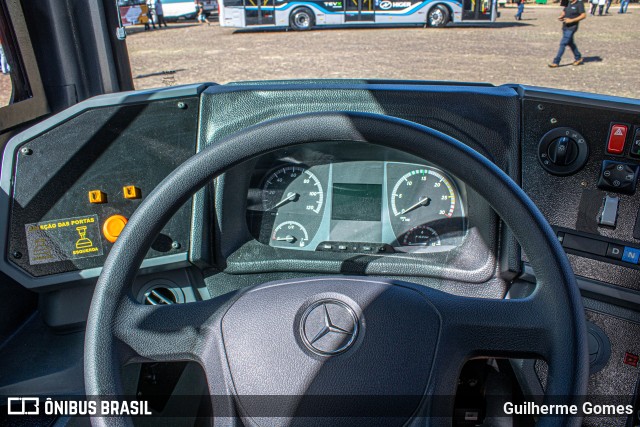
[305,14]
[133,12]
[178,9]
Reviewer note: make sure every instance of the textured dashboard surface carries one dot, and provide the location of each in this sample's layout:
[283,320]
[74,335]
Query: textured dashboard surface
[616,378]
[574,201]
[485,118]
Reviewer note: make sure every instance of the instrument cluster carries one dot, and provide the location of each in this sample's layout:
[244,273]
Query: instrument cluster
[348,205]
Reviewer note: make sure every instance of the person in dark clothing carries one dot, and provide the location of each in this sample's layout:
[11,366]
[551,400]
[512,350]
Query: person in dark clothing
[520,10]
[201,15]
[160,14]
[570,17]
[606,10]
[149,18]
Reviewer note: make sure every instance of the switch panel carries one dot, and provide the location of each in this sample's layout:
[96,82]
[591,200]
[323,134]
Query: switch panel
[599,247]
[619,177]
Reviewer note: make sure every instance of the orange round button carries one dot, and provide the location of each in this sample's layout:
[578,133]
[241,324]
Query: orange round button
[113,226]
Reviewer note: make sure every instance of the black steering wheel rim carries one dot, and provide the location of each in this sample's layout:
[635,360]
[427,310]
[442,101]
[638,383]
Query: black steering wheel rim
[558,299]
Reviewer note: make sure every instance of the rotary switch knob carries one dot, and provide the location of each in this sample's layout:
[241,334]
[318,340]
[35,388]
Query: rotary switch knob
[563,151]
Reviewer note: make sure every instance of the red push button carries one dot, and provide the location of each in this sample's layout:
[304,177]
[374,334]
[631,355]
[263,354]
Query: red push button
[617,138]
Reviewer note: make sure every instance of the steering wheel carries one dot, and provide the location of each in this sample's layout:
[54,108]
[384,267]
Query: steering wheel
[325,347]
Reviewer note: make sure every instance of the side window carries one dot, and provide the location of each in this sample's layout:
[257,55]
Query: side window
[22,96]
[14,86]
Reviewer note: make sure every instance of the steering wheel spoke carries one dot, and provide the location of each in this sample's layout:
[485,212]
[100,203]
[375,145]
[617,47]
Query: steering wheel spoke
[492,327]
[177,332]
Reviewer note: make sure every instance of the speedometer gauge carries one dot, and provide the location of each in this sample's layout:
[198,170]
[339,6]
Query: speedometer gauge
[423,190]
[292,188]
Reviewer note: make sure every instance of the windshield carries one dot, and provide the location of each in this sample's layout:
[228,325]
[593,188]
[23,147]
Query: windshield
[588,46]
[464,41]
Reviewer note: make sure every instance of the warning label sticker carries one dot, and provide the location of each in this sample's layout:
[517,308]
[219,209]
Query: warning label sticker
[63,239]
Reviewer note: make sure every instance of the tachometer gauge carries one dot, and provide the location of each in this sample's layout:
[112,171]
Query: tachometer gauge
[290,234]
[425,208]
[292,188]
[423,193]
[421,235]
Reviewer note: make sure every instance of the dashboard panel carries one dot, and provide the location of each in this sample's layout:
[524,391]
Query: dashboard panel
[371,206]
[75,182]
[331,207]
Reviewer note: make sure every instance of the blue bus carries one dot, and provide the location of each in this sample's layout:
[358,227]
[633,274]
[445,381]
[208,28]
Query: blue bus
[303,15]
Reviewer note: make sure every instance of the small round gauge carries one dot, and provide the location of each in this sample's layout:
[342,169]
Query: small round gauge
[292,188]
[424,194]
[421,235]
[289,234]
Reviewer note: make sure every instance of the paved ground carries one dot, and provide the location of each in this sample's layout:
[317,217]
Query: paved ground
[510,51]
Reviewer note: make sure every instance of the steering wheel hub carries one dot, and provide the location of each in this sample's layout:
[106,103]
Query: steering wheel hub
[383,336]
[329,327]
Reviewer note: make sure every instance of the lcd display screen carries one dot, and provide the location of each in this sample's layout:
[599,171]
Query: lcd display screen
[357,202]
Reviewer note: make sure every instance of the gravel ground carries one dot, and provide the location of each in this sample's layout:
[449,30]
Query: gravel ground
[508,51]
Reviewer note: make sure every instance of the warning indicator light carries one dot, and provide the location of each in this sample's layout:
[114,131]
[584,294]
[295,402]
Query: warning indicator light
[97,196]
[617,139]
[131,192]
[113,226]
[631,359]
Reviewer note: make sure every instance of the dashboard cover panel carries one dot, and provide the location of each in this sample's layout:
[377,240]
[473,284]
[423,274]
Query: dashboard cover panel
[53,226]
[485,118]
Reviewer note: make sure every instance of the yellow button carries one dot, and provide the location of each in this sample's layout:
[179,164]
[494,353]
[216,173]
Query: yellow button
[113,226]
[131,192]
[97,196]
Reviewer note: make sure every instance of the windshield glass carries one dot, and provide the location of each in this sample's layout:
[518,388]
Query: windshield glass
[174,42]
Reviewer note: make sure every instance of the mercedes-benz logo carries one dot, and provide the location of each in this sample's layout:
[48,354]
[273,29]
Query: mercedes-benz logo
[328,327]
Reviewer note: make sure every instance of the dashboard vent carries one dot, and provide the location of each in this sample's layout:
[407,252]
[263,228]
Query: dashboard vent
[160,295]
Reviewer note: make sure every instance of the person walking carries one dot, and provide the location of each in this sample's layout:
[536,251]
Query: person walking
[520,10]
[202,16]
[149,17]
[160,14]
[606,10]
[624,4]
[4,62]
[570,17]
[601,4]
[594,7]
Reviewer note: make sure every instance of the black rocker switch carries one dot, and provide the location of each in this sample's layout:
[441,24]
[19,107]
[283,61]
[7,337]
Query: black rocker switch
[609,212]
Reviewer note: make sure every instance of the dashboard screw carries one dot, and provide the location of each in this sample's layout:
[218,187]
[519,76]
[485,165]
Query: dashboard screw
[540,107]
[182,105]
[554,120]
[26,151]
[175,245]
[17,254]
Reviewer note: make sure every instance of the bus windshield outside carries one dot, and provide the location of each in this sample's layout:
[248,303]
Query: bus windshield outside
[305,14]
